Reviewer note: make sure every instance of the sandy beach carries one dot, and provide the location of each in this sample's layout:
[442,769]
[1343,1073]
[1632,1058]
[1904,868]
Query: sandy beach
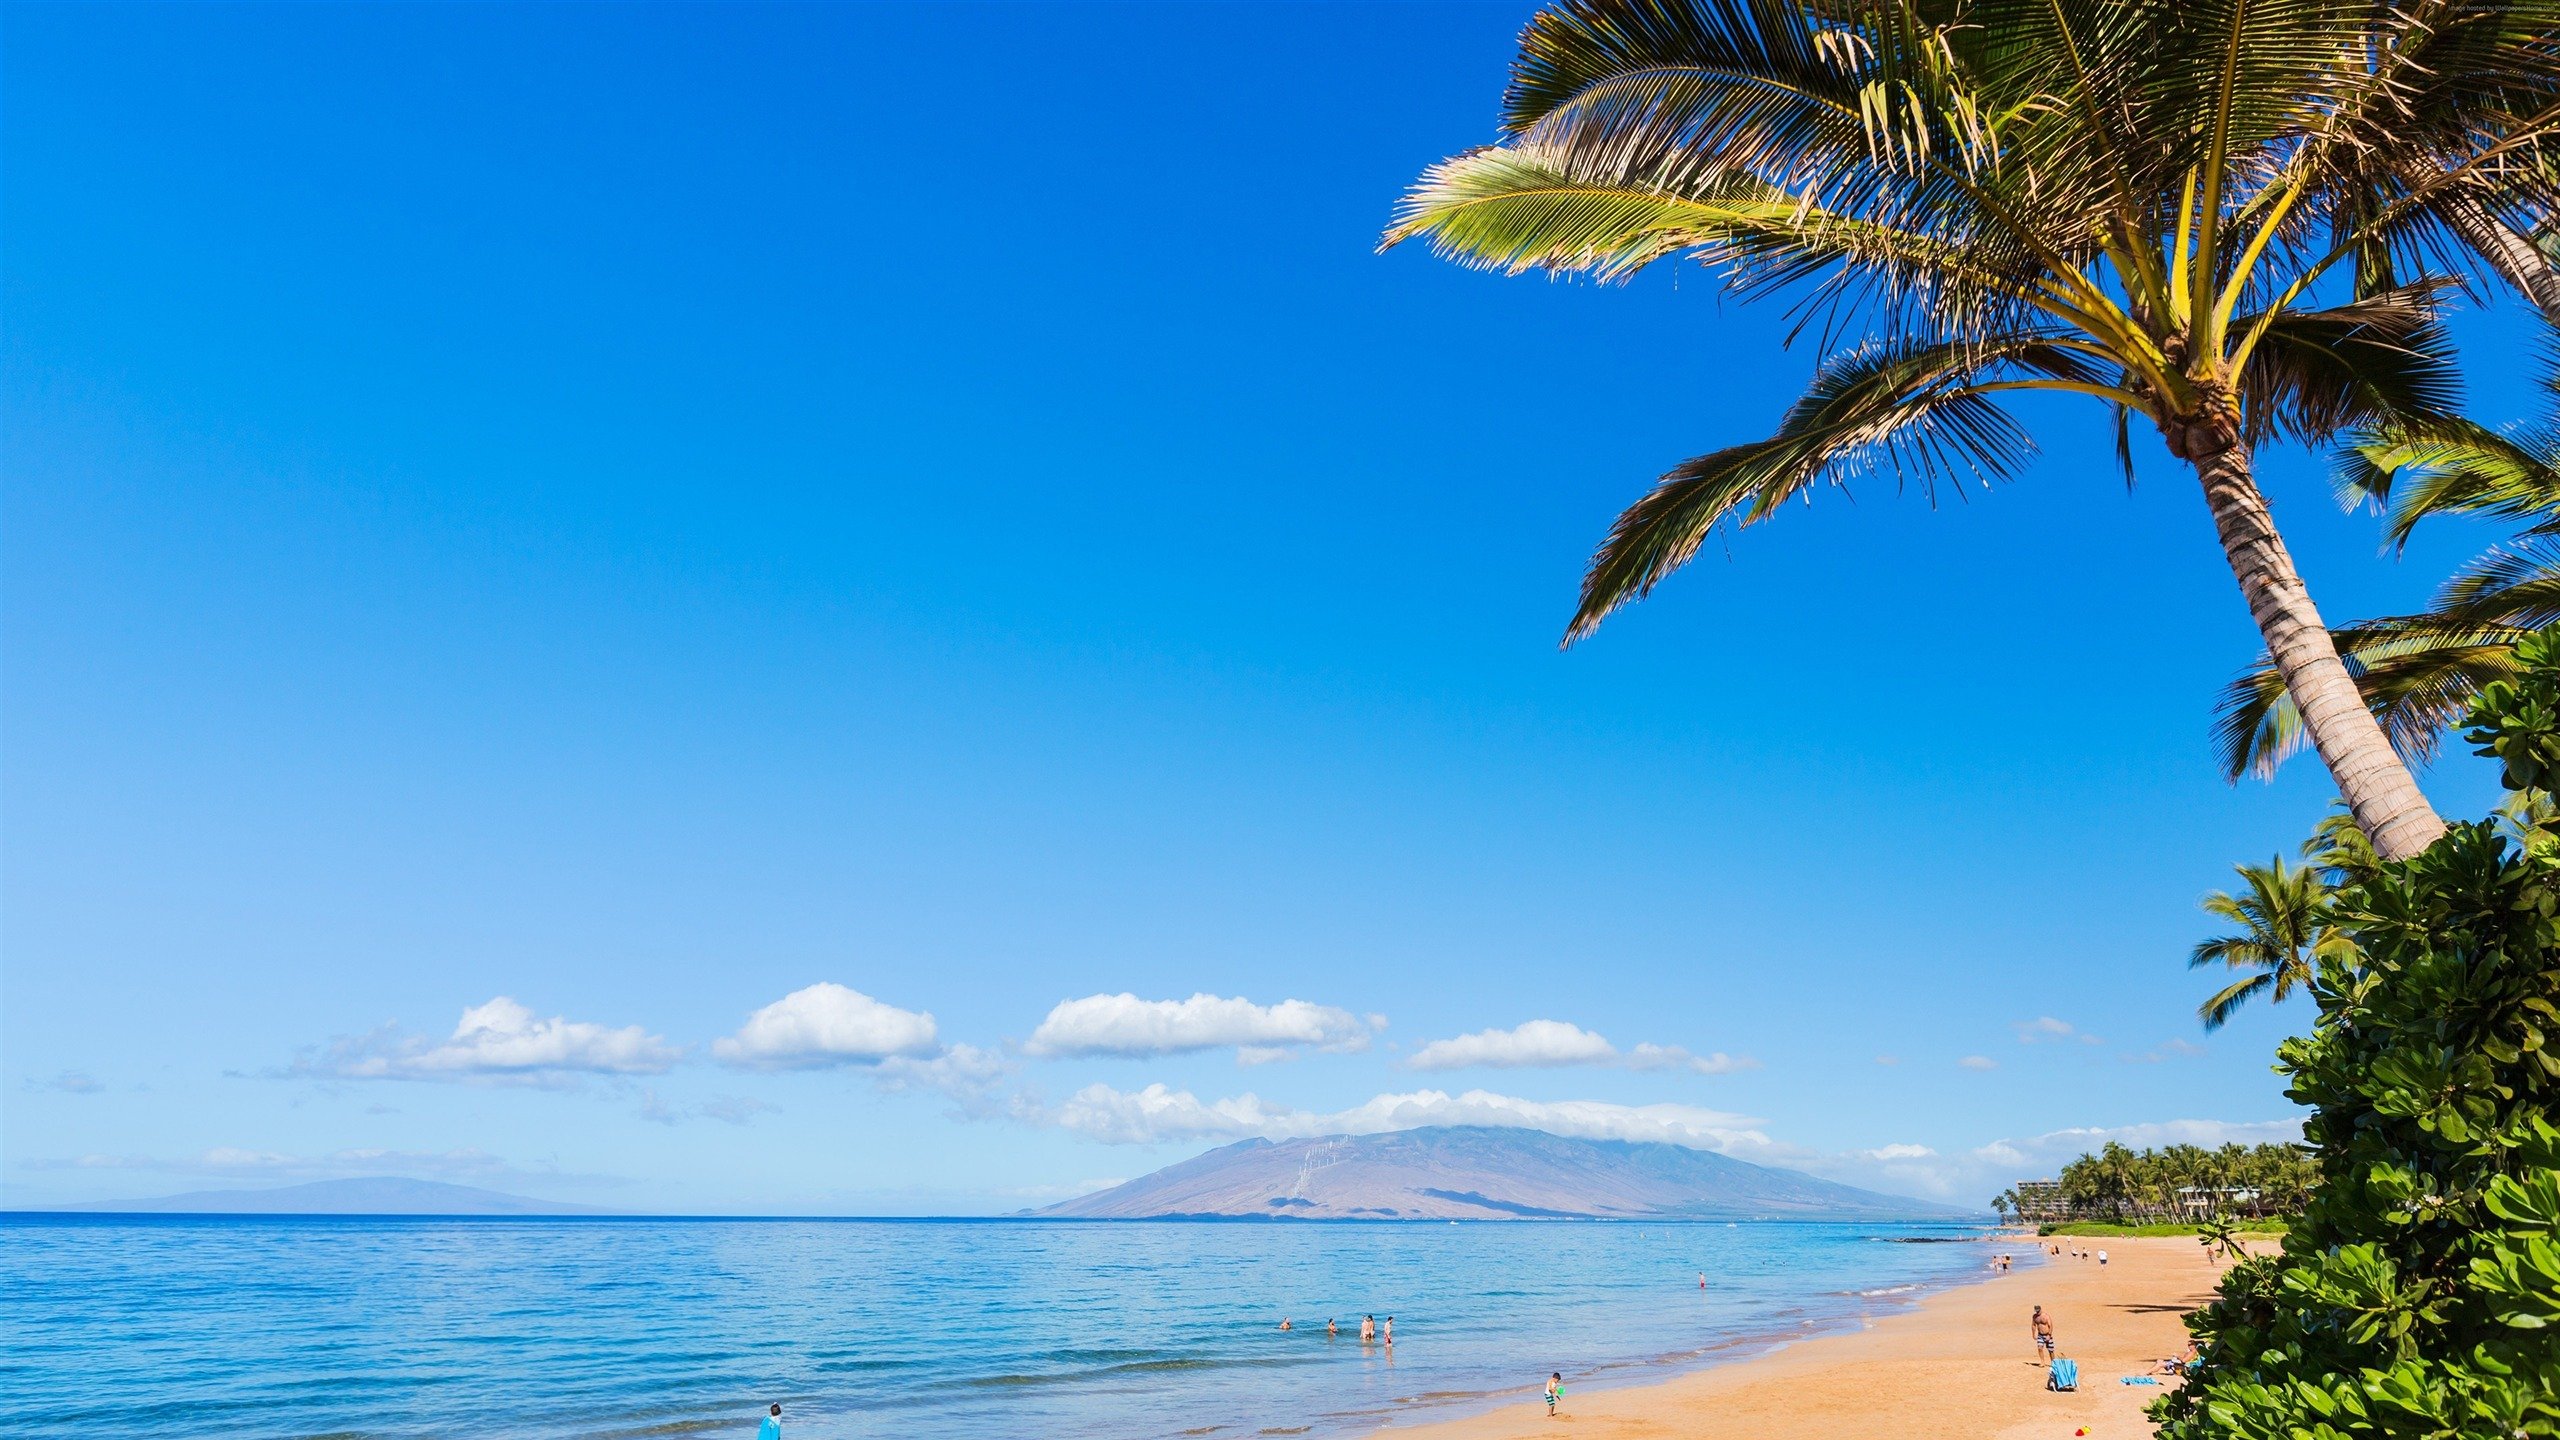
[1959,1365]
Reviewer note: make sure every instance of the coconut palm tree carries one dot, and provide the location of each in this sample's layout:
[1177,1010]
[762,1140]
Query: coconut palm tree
[2169,206]
[2419,673]
[2282,911]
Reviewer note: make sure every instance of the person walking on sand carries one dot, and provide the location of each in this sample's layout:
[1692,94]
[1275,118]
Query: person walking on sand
[2102,1259]
[771,1429]
[1555,1392]
[2043,1329]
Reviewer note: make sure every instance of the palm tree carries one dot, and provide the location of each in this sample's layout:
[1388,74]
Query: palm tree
[2145,202]
[2282,912]
[2419,673]
[2341,853]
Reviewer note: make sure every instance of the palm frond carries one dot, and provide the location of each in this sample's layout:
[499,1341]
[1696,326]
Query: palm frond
[2418,675]
[2284,930]
[2456,467]
[2382,359]
[1531,207]
[2219,1007]
[1915,410]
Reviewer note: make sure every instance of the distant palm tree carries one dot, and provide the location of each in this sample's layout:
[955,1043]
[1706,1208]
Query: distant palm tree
[2283,914]
[2135,201]
[2419,673]
[2340,852]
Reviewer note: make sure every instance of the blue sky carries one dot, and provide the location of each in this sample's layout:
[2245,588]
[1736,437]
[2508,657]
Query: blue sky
[646,512]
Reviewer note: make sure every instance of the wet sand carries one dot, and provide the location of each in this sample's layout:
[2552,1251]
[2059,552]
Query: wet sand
[1959,1365]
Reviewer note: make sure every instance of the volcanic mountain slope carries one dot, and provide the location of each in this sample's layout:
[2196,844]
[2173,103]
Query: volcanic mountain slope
[1470,1173]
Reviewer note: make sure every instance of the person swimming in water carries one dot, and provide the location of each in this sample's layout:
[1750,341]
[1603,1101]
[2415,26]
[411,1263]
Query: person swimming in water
[1331,1329]
[1284,1323]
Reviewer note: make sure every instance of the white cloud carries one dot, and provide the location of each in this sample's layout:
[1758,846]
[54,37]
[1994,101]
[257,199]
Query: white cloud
[2166,1050]
[501,1040]
[2054,1147]
[1537,1042]
[1160,1114]
[69,1082]
[1979,1062]
[1671,1057]
[963,1073]
[1555,1042]
[1126,1025]
[1888,1059]
[1973,1176]
[732,1109]
[2046,1028]
[727,1109]
[826,1024]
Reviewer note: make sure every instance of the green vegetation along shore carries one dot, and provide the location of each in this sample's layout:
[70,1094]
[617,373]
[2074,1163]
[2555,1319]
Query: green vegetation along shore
[2270,1227]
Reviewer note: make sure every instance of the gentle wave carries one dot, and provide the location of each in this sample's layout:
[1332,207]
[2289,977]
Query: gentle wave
[169,1328]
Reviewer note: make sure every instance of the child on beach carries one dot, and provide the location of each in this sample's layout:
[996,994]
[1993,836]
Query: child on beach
[771,1429]
[1555,1392]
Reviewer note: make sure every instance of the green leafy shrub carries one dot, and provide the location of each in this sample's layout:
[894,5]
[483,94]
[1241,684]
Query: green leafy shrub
[2418,1294]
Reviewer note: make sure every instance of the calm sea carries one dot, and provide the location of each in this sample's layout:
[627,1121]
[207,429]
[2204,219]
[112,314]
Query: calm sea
[230,1326]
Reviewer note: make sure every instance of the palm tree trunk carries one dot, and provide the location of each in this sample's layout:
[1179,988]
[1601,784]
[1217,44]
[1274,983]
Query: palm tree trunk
[2514,256]
[2371,776]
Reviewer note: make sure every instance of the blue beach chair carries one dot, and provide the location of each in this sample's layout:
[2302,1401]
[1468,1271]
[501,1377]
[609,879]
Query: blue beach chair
[2063,1374]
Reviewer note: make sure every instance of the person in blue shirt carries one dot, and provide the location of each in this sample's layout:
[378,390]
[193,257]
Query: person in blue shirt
[771,1429]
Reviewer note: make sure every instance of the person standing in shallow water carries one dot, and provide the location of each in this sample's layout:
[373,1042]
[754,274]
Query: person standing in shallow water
[771,1429]
[1389,1334]
[1368,1329]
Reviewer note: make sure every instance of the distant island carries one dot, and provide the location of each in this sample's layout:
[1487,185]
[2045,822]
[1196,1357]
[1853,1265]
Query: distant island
[373,1195]
[1477,1173]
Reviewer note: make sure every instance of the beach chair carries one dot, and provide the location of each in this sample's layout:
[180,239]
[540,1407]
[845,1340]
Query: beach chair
[2063,1374]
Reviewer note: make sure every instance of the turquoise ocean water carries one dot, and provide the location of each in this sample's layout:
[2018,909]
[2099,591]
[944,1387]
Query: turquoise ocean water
[233,1326]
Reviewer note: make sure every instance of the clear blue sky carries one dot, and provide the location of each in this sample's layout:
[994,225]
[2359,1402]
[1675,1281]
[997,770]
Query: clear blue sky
[643,511]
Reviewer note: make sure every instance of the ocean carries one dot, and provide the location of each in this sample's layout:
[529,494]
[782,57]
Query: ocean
[251,1326]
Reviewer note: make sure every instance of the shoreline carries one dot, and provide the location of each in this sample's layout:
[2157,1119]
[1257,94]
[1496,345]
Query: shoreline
[1848,1312]
[1957,1363]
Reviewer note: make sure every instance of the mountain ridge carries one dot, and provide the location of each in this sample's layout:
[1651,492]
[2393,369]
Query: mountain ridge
[1481,1173]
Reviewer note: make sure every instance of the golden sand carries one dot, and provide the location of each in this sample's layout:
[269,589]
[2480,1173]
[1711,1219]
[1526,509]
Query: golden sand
[1959,1365]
